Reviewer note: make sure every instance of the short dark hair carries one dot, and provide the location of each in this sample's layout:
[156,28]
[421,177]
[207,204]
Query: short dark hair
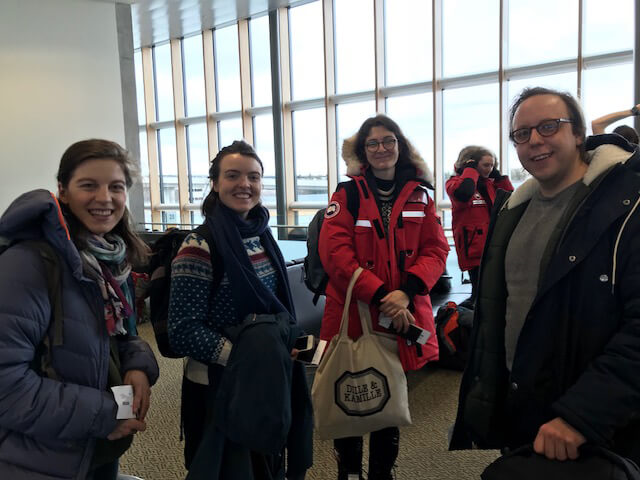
[96,148]
[627,132]
[238,146]
[386,122]
[578,125]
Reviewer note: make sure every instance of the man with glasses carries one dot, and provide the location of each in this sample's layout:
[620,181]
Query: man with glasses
[555,356]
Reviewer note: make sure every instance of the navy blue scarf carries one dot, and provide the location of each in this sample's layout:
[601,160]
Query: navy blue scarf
[250,295]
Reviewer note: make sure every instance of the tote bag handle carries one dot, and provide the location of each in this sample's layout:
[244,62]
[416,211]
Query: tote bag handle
[363,310]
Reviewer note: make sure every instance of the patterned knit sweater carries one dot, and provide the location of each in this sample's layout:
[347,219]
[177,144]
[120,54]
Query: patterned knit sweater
[198,315]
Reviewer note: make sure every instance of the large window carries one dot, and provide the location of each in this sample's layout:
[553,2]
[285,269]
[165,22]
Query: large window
[163,83]
[349,118]
[310,151]
[354,48]
[404,65]
[194,100]
[414,115]
[260,61]
[227,66]
[470,32]
[448,81]
[470,117]
[558,40]
[307,51]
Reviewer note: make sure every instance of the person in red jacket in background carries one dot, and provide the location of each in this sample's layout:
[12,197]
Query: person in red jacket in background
[472,191]
[399,242]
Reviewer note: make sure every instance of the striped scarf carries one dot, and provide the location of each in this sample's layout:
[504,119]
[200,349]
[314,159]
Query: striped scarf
[105,262]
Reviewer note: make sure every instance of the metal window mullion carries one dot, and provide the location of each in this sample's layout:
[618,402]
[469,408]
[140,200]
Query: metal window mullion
[245,79]
[504,126]
[608,59]
[542,69]
[580,61]
[177,69]
[285,186]
[436,31]
[160,176]
[379,54]
[308,104]
[152,145]
[276,112]
[407,89]
[330,90]
[210,91]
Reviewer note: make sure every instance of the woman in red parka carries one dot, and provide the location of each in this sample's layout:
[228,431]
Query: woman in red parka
[400,244]
[472,191]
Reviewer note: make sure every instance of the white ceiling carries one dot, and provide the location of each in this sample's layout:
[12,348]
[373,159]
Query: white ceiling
[156,21]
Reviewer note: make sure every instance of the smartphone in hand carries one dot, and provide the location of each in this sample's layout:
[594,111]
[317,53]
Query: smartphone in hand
[414,333]
[311,355]
[304,343]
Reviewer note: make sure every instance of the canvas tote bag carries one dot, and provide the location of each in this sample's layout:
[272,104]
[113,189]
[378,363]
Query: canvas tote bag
[359,386]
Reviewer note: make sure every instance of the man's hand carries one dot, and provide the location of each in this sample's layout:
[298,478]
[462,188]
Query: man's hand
[127,427]
[141,392]
[557,440]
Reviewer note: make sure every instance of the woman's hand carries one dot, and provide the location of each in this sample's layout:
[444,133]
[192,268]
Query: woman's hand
[393,302]
[127,427]
[394,305]
[141,392]
[402,319]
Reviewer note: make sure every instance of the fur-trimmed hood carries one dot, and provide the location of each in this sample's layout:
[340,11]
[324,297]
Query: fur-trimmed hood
[354,166]
[602,154]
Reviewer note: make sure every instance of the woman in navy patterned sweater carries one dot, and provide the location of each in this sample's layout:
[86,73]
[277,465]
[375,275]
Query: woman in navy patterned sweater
[254,281]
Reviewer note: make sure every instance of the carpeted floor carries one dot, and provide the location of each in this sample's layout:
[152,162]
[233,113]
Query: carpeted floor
[433,395]
[157,453]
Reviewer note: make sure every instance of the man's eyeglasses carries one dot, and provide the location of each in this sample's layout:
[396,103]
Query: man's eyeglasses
[545,128]
[388,143]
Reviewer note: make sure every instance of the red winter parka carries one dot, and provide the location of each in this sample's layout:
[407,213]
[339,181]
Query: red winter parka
[415,245]
[471,211]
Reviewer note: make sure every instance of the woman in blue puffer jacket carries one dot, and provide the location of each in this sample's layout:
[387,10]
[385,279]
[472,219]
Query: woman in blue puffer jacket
[64,426]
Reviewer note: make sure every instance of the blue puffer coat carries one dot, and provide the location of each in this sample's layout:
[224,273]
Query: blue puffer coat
[47,427]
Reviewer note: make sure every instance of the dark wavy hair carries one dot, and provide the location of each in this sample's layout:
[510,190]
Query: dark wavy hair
[578,125]
[95,148]
[238,146]
[386,122]
[627,132]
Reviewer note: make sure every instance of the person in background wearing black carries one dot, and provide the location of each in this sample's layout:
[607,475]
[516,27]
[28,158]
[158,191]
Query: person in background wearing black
[555,348]
[472,191]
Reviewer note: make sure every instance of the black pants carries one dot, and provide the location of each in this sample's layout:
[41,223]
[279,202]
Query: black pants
[383,451]
[474,276]
[193,413]
[195,398]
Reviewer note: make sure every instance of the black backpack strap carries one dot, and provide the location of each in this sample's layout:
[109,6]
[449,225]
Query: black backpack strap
[353,197]
[217,264]
[54,336]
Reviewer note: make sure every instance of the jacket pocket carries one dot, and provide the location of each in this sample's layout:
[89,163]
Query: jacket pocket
[473,239]
[364,245]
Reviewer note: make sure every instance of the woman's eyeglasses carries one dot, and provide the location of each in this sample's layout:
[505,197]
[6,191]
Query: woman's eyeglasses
[388,143]
[545,128]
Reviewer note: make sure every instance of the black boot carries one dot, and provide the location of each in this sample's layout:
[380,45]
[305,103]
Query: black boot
[348,453]
[383,451]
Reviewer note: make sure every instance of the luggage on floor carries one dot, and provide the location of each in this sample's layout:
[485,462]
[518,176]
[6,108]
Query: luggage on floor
[453,329]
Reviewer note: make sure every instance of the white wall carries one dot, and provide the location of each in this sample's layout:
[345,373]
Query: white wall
[59,83]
